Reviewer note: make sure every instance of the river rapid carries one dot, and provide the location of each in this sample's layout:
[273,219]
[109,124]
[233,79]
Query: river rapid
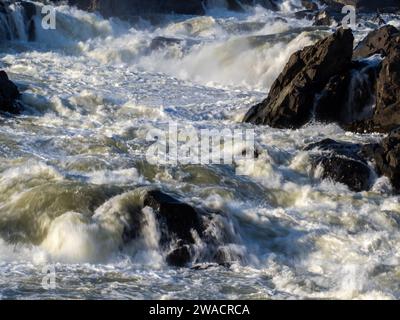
[94,88]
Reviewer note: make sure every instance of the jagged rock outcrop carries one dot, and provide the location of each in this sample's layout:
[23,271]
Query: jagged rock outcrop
[291,99]
[341,162]
[360,95]
[8,95]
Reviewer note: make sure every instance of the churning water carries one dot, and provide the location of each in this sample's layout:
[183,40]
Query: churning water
[72,162]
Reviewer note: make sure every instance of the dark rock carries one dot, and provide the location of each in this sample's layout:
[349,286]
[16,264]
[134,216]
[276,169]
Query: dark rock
[330,105]
[386,156]
[291,98]
[349,97]
[376,42]
[178,219]
[8,95]
[163,42]
[342,162]
[180,256]
[387,111]
[176,222]
[180,226]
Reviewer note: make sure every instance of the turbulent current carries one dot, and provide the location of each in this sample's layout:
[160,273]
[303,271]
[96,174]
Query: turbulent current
[94,88]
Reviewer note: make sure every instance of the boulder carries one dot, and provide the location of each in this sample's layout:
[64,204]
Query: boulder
[291,99]
[178,219]
[8,95]
[176,222]
[376,42]
[341,162]
[181,229]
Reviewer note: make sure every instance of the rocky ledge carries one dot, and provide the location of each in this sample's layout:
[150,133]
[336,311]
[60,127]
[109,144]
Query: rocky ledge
[358,89]
[331,83]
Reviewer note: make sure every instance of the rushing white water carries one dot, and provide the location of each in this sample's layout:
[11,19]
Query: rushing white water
[73,164]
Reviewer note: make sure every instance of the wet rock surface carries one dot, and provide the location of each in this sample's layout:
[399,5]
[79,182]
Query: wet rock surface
[341,162]
[181,227]
[8,95]
[377,42]
[291,98]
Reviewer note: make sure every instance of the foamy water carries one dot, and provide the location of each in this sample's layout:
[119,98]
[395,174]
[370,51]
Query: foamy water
[74,162]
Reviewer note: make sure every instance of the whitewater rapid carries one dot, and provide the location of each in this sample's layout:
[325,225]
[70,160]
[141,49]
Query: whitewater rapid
[74,161]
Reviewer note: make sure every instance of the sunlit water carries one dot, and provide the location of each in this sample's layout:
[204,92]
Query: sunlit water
[95,88]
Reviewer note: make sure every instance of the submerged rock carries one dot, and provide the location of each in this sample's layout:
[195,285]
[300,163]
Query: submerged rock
[163,42]
[291,99]
[8,95]
[177,222]
[341,162]
[185,234]
[178,218]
